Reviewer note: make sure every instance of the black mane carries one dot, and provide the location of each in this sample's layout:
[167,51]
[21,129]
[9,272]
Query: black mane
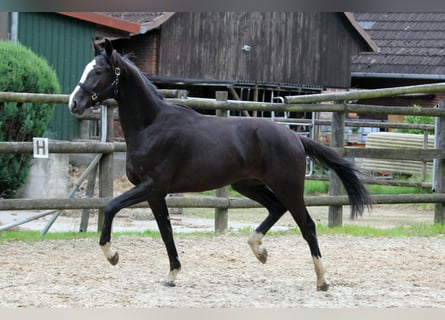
[123,61]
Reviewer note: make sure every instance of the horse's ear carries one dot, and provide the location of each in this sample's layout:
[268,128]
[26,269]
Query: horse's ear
[97,49]
[108,47]
[109,51]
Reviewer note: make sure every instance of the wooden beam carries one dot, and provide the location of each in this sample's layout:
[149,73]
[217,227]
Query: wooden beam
[65,147]
[366,94]
[208,202]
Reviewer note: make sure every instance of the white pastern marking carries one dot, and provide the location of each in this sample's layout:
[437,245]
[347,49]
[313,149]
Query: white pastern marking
[88,68]
[254,242]
[172,275]
[319,270]
[108,252]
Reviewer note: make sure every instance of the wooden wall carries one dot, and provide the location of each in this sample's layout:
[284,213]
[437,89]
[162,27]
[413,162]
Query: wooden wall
[288,47]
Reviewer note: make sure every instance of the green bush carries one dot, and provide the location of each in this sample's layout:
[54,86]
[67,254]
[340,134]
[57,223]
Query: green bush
[412,119]
[22,70]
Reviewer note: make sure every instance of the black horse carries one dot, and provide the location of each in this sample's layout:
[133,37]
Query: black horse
[173,149]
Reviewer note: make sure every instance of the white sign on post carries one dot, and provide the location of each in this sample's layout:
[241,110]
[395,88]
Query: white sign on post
[40,147]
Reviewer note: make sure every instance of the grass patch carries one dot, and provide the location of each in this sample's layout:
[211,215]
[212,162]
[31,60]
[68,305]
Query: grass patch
[32,236]
[379,189]
[414,230]
[316,187]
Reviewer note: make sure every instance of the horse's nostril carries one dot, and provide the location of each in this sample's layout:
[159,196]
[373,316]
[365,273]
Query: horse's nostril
[73,106]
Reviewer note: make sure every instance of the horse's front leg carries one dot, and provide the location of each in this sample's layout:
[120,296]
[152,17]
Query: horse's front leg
[160,211]
[131,197]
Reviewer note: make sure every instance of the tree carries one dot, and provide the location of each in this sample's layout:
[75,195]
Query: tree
[22,71]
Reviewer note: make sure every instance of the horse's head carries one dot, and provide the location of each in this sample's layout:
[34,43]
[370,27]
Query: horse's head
[99,81]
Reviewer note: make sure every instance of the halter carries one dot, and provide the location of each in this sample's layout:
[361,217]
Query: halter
[97,97]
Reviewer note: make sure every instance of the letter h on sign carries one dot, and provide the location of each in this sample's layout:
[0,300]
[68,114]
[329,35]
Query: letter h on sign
[40,147]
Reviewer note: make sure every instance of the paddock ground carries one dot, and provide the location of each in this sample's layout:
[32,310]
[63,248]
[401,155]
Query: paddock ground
[221,271]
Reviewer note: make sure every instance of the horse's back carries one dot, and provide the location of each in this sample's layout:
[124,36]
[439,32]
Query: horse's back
[207,152]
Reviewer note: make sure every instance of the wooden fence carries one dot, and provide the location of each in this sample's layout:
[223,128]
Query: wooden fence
[337,104]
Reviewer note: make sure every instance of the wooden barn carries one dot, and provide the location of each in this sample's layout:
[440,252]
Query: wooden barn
[254,55]
[299,52]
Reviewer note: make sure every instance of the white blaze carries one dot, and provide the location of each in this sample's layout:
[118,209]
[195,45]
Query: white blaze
[88,68]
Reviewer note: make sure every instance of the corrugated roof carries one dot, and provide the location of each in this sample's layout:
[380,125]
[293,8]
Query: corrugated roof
[408,43]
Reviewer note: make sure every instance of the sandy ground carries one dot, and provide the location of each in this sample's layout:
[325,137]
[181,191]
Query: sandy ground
[220,271]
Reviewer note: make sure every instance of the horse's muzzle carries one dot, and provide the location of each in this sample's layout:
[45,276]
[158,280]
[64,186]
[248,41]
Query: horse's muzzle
[75,109]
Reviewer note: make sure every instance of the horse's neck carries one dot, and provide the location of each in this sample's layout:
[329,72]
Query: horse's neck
[138,106]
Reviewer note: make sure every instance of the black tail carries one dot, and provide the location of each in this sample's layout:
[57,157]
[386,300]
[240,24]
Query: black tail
[345,170]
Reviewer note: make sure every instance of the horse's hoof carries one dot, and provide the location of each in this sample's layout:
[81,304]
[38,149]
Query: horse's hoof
[262,256]
[114,259]
[254,242]
[169,283]
[323,287]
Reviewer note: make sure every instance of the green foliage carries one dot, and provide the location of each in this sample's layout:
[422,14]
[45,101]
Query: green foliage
[382,189]
[33,236]
[412,230]
[315,187]
[22,71]
[416,120]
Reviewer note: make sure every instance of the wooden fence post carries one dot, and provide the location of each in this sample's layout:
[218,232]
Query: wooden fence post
[106,164]
[439,208]
[335,217]
[221,214]
[89,193]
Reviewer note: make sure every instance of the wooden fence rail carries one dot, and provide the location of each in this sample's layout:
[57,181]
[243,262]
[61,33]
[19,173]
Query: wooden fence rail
[110,147]
[308,103]
[65,147]
[208,202]
[367,94]
[304,103]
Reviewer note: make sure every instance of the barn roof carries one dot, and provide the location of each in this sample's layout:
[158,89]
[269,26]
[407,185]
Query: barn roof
[146,20]
[409,45]
[131,22]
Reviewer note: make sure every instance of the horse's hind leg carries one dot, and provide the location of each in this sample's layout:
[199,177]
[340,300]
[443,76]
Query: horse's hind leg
[257,191]
[291,195]
[307,227]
